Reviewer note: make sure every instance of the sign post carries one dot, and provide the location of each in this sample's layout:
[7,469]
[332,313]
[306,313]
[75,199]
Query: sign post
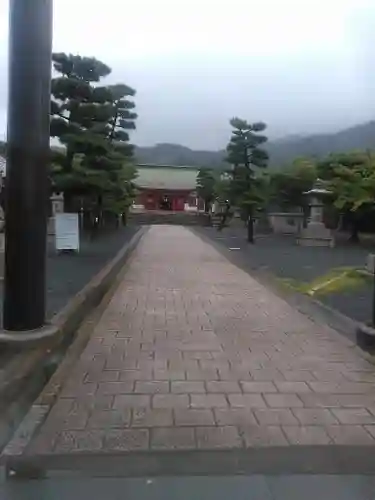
[67,232]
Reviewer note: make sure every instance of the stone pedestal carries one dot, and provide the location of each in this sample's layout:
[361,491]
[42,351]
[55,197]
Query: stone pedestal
[51,227]
[316,235]
[57,201]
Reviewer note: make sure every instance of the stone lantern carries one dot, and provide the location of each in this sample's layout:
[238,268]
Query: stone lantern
[57,204]
[316,234]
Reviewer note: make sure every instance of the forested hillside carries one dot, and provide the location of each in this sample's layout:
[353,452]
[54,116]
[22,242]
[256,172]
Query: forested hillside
[281,151]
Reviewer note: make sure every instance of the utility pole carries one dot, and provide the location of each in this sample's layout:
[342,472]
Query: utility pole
[28,151]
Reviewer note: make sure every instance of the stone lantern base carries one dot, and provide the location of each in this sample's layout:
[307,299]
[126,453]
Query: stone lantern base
[316,235]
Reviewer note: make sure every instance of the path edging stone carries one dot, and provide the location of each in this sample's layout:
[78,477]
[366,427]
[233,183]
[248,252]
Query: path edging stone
[366,337]
[298,459]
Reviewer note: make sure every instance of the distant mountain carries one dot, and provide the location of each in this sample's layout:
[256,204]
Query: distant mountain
[358,137]
[282,151]
[174,154]
[291,137]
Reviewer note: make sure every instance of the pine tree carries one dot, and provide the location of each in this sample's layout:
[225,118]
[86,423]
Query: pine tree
[246,158]
[90,121]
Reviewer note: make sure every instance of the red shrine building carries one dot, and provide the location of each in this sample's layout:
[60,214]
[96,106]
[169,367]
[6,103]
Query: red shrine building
[166,187]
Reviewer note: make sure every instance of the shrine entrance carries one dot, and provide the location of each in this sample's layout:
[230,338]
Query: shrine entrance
[165,203]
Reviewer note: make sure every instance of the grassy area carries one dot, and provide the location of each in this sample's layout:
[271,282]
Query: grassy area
[336,280]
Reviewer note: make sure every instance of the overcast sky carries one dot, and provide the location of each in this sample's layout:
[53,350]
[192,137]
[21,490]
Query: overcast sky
[302,66]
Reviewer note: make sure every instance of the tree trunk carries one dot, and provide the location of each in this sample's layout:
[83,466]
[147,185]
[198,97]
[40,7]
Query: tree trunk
[250,228]
[354,237]
[221,224]
[68,202]
[96,217]
[100,210]
[224,217]
[124,218]
[114,123]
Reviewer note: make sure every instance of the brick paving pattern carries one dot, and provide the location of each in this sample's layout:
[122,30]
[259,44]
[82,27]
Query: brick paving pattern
[193,353]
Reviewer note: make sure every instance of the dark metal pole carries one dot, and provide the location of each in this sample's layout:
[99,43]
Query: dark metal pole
[30,54]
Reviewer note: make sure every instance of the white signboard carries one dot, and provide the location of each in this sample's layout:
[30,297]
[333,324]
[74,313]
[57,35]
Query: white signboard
[67,232]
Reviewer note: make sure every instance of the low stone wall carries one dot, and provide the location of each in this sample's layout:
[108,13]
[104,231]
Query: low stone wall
[286,223]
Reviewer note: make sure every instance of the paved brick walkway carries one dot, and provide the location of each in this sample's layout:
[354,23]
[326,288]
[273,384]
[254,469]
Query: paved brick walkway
[192,353]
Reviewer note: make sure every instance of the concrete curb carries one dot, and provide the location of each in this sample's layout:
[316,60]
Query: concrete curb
[366,338]
[274,460]
[29,367]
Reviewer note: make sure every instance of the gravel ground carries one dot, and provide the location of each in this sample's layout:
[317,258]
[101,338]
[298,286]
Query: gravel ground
[67,274]
[280,256]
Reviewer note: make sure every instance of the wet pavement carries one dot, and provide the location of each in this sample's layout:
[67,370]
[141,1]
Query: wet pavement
[193,354]
[279,256]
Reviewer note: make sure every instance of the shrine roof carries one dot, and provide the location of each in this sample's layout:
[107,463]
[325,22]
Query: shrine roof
[166,177]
